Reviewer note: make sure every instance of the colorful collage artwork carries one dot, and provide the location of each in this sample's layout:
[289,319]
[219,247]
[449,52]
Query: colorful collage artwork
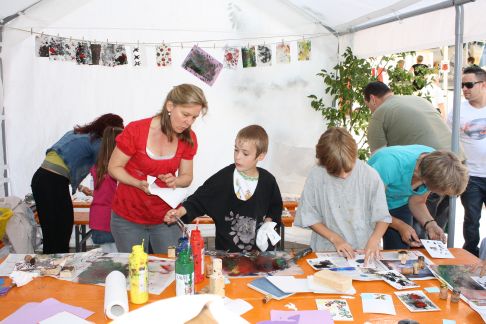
[202,65]
[283,53]
[304,47]
[231,57]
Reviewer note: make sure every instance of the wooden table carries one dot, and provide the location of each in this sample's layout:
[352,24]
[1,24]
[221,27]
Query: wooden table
[91,297]
[81,219]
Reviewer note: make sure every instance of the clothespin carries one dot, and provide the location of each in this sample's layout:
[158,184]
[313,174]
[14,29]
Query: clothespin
[31,30]
[214,45]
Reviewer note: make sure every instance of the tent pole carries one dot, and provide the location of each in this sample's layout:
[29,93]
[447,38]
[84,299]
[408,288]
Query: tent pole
[438,6]
[456,110]
[2,127]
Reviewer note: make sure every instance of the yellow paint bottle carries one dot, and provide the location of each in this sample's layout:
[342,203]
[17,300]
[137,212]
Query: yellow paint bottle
[138,275]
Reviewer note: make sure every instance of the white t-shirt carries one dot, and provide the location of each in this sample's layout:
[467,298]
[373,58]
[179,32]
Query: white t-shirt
[472,134]
[349,207]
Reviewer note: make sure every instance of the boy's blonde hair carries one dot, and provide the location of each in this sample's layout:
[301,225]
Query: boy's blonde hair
[336,151]
[443,173]
[256,134]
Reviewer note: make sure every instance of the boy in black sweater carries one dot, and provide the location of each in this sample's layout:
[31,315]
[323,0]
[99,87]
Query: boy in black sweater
[239,198]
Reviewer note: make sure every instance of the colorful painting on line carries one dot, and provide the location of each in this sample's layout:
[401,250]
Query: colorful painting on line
[95,54]
[202,65]
[264,55]
[231,57]
[56,49]
[248,56]
[163,55]
[283,53]
[70,50]
[304,47]
[83,53]
[120,55]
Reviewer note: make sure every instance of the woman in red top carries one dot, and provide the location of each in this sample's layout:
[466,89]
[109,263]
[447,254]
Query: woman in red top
[159,146]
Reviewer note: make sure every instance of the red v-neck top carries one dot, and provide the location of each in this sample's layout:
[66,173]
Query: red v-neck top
[130,202]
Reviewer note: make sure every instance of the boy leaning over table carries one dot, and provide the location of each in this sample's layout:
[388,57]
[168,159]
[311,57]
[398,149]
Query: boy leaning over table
[343,200]
[240,198]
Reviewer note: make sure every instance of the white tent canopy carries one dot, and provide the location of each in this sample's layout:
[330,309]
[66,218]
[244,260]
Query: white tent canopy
[44,99]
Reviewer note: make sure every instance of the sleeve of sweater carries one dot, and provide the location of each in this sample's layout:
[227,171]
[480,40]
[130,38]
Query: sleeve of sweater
[276,204]
[201,202]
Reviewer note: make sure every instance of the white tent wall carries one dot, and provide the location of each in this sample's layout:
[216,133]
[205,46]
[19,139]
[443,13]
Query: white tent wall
[430,30]
[44,99]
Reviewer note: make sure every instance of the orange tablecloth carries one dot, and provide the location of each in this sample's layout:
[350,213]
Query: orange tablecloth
[91,297]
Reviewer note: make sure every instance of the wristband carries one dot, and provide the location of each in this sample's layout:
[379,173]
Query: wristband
[427,222]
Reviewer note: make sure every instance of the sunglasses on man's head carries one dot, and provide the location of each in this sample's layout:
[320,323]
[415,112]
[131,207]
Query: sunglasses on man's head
[469,85]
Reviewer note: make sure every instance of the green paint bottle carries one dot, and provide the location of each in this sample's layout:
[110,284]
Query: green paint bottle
[184,273]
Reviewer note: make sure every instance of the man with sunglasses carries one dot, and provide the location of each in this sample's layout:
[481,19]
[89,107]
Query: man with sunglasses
[473,139]
[408,120]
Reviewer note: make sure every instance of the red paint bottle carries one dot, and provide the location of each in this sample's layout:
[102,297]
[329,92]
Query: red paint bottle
[197,246]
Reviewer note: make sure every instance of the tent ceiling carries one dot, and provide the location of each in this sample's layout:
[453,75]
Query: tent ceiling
[339,16]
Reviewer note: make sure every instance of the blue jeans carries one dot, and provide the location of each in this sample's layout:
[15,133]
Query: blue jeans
[128,234]
[101,237]
[473,200]
[392,239]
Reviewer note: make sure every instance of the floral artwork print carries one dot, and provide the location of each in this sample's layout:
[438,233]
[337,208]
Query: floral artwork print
[248,56]
[283,53]
[416,301]
[163,55]
[56,49]
[42,46]
[304,47]
[202,65]
[120,55]
[243,231]
[338,308]
[108,54]
[70,50]
[95,54]
[83,53]
[264,55]
[231,57]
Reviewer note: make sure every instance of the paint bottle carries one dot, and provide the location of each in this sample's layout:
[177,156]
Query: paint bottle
[456,295]
[184,273]
[182,244]
[444,291]
[197,246]
[138,275]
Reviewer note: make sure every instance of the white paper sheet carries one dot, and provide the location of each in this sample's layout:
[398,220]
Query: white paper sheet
[437,249]
[237,306]
[289,284]
[378,303]
[173,197]
[63,318]
[116,297]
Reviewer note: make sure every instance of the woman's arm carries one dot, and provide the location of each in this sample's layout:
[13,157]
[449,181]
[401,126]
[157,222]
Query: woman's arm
[184,178]
[342,247]
[116,169]
[421,214]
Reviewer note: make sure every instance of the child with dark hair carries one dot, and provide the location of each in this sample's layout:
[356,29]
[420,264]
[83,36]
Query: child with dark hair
[103,193]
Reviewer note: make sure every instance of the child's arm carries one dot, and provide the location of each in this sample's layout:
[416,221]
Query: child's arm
[373,247]
[342,247]
[407,233]
[420,212]
[171,215]
[85,190]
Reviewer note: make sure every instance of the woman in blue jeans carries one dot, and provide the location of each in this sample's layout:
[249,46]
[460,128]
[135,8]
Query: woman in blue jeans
[409,173]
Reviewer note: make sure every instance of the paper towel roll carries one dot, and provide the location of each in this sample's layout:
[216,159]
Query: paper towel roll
[116,298]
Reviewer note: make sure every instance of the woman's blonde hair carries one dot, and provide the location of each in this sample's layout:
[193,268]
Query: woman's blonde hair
[182,94]
[336,151]
[443,173]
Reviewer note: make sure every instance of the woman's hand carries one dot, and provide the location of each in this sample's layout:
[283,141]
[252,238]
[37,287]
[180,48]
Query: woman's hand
[344,249]
[409,235]
[372,251]
[480,265]
[143,185]
[169,179]
[434,232]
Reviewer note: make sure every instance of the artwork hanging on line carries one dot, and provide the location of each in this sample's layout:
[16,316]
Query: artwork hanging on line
[42,46]
[56,49]
[120,55]
[83,53]
[163,55]
[108,54]
[248,56]
[231,57]
[264,55]
[69,50]
[95,54]
[138,56]
[304,47]
[202,65]
[283,53]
